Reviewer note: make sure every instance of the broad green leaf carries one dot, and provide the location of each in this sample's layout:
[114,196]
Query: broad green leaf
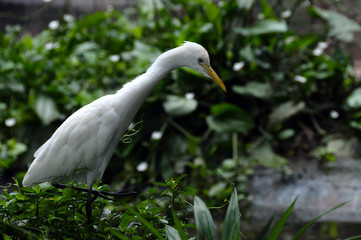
[204,222]
[300,43]
[141,56]
[284,111]
[280,224]
[255,89]
[354,99]
[217,188]
[340,26]
[211,9]
[85,48]
[16,148]
[263,27]
[264,155]
[267,10]
[172,233]
[44,107]
[20,196]
[355,124]
[229,118]
[179,106]
[232,223]
[286,133]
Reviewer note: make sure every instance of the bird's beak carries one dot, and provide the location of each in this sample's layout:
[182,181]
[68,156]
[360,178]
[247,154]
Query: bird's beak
[214,76]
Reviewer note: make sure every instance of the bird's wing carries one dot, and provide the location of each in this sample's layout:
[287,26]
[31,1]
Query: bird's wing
[83,143]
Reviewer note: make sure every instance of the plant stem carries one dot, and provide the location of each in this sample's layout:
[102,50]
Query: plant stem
[234,147]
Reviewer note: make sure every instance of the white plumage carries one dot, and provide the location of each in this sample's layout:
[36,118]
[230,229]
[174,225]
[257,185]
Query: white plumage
[80,149]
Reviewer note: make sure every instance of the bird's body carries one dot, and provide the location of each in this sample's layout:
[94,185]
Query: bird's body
[81,148]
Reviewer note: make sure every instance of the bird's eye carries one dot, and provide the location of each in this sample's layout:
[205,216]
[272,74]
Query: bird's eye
[200,60]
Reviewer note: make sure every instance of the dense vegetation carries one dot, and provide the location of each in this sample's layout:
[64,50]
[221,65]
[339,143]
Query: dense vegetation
[283,83]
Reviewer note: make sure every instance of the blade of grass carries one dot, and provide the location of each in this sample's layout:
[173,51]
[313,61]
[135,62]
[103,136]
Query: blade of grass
[145,222]
[204,221]
[232,223]
[279,225]
[265,229]
[117,234]
[354,238]
[314,220]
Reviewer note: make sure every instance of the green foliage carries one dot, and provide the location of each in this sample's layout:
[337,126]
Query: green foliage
[276,82]
[280,79]
[45,212]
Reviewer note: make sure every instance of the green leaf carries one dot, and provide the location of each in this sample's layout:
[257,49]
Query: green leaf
[340,26]
[355,124]
[298,234]
[45,108]
[179,106]
[117,234]
[354,238]
[229,118]
[20,196]
[85,48]
[354,99]
[263,27]
[279,225]
[263,155]
[16,148]
[37,189]
[178,225]
[172,233]
[232,223]
[286,133]
[267,10]
[204,222]
[263,233]
[255,89]
[148,224]
[284,111]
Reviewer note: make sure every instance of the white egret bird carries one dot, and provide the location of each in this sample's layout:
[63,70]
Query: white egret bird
[80,149]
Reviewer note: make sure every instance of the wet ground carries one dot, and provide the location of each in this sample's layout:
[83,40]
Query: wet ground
[317,189]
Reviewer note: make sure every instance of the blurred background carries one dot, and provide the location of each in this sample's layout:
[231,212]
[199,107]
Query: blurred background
[288,126]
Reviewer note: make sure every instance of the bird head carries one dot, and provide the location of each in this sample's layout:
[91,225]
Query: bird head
[197,58]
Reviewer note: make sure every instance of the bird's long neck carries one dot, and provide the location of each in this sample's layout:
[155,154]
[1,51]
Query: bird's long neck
[137,90]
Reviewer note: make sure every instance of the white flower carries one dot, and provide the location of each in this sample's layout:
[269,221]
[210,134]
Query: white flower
[300,79]
[334,114]
[68,18]
[156,135]
[238,66]
[114,58]
[321,46]
[317,52]
[189,95]
[10,122]
[142,166]
[54,24]
[51,45]
[286,14]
